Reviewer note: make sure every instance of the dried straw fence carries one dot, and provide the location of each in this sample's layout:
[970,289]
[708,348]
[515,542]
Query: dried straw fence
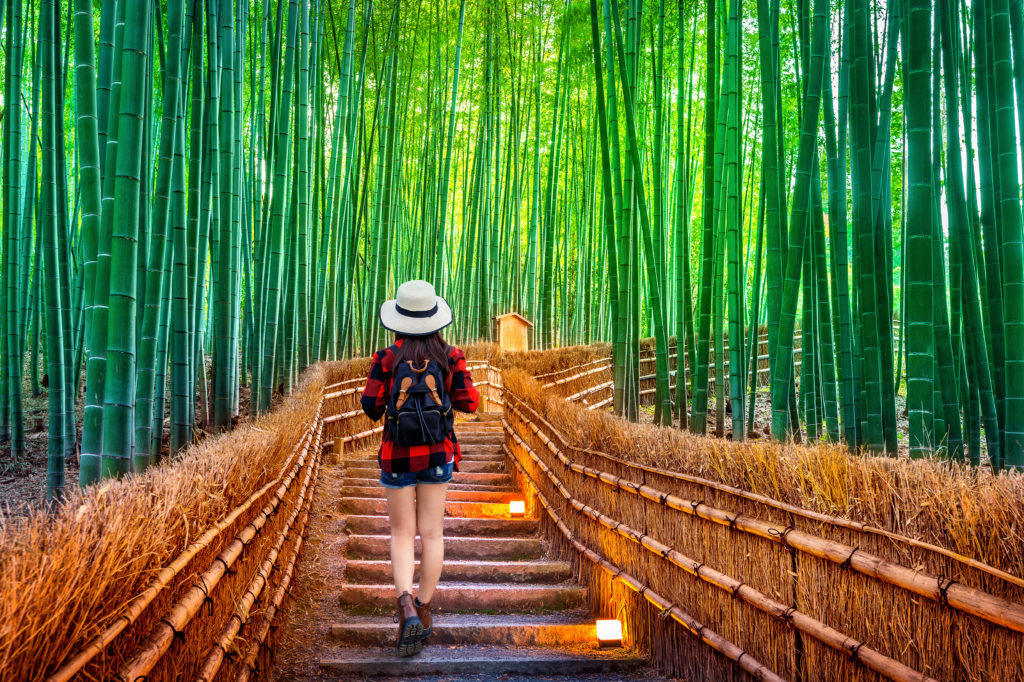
[178,573]
[801,563]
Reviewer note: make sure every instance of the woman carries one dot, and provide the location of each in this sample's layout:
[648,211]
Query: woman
[415,382]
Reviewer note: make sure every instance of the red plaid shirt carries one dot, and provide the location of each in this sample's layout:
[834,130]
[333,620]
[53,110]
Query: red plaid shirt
[399,459]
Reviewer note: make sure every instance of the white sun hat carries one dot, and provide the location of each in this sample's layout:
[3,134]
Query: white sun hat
[416,310]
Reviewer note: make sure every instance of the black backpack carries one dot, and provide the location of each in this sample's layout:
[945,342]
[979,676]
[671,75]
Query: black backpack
[419,411]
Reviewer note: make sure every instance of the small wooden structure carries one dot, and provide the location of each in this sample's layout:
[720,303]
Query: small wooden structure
[513,331]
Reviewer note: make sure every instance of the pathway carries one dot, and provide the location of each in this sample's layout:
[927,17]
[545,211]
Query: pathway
[503,608]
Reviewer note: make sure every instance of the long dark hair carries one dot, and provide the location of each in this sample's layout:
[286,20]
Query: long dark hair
[420,348]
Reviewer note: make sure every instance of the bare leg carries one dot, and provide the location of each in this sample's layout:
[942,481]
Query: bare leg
[430,515]
[402,512]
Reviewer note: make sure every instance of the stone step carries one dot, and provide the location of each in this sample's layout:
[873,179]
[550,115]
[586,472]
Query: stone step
[554,630]
[485,661]
[360,571]
[454,596]
[476,454]
[460,476]
[482,487]
[453,526]
[483,440]
[376,506]
[467,465]
[460,495]
[511,549]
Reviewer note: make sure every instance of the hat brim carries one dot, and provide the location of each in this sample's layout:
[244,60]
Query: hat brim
[395,321]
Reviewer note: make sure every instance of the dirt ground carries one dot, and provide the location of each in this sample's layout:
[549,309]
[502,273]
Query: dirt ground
[23,481]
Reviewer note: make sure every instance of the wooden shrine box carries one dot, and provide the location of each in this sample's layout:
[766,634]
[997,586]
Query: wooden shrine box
[513,331]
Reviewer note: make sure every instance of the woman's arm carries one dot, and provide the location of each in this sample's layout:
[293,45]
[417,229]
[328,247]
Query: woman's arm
[375,399]
[464,397]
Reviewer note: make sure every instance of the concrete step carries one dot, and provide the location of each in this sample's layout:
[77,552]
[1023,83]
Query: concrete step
[454,526]
[374,483]
[555,630]
[460,495]
[460,476]
[376,506]
[455,596]
[512,549]
[486,464]
[486,661]
[360,571]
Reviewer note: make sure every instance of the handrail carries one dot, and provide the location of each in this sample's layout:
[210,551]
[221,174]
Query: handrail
[678,614]
[138,605]
[857,650]
[782,506]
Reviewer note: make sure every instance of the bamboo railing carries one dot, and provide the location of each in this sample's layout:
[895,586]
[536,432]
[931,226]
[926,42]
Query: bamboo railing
[808,595]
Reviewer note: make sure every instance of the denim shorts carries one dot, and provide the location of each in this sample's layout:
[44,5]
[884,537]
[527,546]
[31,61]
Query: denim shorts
[441,474]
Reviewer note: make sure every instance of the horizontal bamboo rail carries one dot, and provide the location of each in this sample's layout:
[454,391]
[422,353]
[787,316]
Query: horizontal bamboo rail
[219,650]
[858,651]
[944,590]
[848,524]
[184,610]
[248,663]
[137,606]
[678,614]
[340,384]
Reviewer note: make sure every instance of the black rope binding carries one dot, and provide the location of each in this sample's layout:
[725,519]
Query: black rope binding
[664,499]
[783,536]
[787,616]
[855,652]
[944,585]
[736,590]
[732,521]
[177,634]
[665,612]
[847,560]
[694,504]
[697,565]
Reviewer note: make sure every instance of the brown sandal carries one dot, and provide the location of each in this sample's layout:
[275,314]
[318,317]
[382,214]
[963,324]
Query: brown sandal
[410,627]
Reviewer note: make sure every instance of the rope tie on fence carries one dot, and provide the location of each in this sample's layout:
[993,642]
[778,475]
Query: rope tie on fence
[732,521]
[694,504]
[736,590]
[663,498]
[175,632]
[944,585]
[847,561]
[665,612]
[697,565]
[783,536]
[787,616]
[855,652]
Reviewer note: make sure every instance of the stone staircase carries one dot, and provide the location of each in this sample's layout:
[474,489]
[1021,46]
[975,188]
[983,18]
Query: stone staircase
[502,608]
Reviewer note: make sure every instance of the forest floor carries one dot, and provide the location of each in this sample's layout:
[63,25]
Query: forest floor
[23,481]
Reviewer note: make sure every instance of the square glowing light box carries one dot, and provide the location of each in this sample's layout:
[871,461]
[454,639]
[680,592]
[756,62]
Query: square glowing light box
[609,633]
[517,508]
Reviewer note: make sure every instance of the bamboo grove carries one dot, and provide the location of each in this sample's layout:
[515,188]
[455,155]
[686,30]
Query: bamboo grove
[202,197]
